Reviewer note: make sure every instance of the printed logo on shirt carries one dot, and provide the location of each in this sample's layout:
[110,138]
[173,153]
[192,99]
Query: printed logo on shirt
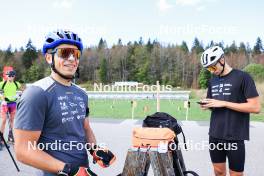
[221,89]
[74,112]
[64,113]
[63,106]
[80,117]
[67,119]
[78,98]
[72,104]
[61,98]
[82,105]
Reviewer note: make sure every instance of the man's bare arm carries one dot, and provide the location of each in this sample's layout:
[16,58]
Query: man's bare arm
[251,106]
[89,132]
[34,157]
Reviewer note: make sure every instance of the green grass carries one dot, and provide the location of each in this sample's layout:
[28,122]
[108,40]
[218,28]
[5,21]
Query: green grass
[121,109]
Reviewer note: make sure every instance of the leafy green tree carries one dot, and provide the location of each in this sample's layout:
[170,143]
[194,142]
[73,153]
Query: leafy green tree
[34,73]
[203,78]
[256,71]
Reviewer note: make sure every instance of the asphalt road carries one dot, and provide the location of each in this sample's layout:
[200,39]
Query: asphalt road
[117,135]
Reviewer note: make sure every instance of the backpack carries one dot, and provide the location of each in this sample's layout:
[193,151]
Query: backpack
[3,86]
[164,120]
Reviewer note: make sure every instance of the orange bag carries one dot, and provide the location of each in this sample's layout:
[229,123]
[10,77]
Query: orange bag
[151,137]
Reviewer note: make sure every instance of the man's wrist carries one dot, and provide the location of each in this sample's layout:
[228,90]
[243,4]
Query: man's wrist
[93,147]
[226,103]
[65,170]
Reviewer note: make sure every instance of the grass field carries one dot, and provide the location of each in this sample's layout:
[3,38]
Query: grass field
[122,109]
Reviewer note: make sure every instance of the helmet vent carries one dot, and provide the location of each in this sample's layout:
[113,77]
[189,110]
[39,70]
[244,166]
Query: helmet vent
[60,35]
[68,36]
[74,36]
[215,49]
[50,40]
[212,58]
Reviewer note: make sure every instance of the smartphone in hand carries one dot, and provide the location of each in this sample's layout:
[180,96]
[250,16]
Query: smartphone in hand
[201,103]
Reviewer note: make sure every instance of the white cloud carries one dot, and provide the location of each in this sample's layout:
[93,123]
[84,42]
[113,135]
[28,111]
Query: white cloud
[200,8]
[62,4]
[163,5]
[201,3]
[187,2]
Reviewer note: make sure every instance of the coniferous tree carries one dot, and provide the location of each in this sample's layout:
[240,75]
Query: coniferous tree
[29,55]
[258,48]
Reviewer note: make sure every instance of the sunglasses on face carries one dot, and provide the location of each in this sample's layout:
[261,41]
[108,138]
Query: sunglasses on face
[65,53]
[212,68]
[10,76]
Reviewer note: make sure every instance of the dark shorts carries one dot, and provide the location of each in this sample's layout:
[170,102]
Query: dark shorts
[9,107]
[234,151]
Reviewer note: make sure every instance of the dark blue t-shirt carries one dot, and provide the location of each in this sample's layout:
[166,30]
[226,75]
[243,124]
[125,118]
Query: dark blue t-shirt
[236,87]
[57,111]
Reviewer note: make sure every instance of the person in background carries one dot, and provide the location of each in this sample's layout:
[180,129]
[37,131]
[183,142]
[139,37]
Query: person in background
[9,88]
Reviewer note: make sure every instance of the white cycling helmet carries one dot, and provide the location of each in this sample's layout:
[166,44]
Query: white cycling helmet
[211,56]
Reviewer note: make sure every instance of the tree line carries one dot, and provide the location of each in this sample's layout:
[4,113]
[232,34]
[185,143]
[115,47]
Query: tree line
[173,64]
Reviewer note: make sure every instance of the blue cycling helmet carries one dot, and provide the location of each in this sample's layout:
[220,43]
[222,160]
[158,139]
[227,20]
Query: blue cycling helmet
[54,39]
[11,73]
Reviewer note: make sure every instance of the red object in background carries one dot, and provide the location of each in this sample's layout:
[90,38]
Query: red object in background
[5,70]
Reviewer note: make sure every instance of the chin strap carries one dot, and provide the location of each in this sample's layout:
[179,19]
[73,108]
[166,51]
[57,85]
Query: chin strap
[60,74]
[223,66]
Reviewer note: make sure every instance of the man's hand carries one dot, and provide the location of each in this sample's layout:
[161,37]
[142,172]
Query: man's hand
[102,156]
[212,103]
[80,171]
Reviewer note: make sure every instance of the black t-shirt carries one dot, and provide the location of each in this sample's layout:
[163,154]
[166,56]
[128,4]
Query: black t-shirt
[236,87]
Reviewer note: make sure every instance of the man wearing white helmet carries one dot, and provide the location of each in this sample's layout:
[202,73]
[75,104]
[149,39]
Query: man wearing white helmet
[52,128]
[231,97]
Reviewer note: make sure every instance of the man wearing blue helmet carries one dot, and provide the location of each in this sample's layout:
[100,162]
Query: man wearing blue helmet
[52,129]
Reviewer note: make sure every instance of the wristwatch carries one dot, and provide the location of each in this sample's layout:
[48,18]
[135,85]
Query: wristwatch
[66,170]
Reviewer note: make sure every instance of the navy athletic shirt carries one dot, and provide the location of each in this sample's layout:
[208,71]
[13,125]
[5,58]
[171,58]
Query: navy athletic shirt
[57,111]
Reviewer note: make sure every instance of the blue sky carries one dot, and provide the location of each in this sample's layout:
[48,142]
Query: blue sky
[169,21]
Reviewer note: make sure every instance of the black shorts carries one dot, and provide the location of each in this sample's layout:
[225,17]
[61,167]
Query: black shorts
[234,151]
